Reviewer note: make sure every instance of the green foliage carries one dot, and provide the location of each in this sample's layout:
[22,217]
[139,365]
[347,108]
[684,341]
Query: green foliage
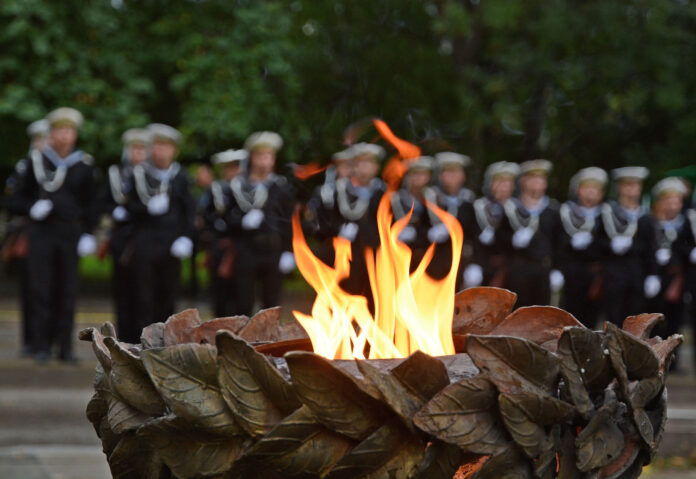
[594,82]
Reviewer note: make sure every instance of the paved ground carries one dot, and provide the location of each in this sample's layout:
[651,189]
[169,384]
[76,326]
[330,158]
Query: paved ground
[44,433]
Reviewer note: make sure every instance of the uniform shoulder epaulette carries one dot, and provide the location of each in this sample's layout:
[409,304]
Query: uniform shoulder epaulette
[87,159]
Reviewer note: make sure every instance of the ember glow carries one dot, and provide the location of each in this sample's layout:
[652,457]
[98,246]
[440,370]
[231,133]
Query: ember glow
[412,310]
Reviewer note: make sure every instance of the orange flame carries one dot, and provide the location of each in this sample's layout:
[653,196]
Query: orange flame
[412,310]
[397,165]
[304,172]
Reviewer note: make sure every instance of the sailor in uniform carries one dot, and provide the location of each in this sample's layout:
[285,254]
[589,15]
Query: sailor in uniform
[162,210]
[492,244]
[628,239]
[220,245]
[411,198]
[457,200]
[16,245]
[58,194]
[323,219]
[136,146]
[671,254]
[357,201]
[689,264]
[534,223]
[262,204]
[579,253]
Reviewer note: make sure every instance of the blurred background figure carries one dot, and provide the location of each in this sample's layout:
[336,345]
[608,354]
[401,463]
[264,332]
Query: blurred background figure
[671,254]
[162,209]
[457,200]
[579,255]
[260,211]
[493,239]
[628,237]
[58,194]
[217,238]
[15,247]
[121,246]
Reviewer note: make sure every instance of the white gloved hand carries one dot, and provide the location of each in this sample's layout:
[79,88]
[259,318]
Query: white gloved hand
[287,262]
[182,247]
[651,286]
[522,237]
[408,234]
[556,280]
[158,204]
[581,240]
[120,214]
[87,245]
[663,255]
[252,220]
[41,209]
[487,236]
[692,256]
[438,233]
[349,231]
[621,244]
[473,276]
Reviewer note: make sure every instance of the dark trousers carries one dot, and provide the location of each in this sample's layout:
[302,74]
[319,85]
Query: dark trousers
[124,297]
[257,262]
[622,293]
[157,278]
[22,270]
[579,299]
[222,288]
[52,267]
[530,280]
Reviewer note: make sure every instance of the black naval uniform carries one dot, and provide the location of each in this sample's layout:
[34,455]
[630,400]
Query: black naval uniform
[122,250]
[220,246]
[402,201]
[689,263]
[357,205]
[530,265]
[670,256]
[492,246]
[580,260]
[53,263]
[259,250]
[157,272]
[461,207]
[15,249]
[323,221]
[624,274]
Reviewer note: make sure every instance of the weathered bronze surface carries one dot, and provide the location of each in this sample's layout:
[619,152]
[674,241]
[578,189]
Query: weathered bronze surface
[531,394]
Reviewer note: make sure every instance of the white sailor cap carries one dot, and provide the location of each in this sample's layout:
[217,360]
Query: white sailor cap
[136,136]
[370,150]
[591,173]
[671,184]
[447,159]
[38,128]
[422,163]
[162,132]
[630,173]
[263,140]
[343,155]
[536,166]
[65,116]
[229,156]
[502,168]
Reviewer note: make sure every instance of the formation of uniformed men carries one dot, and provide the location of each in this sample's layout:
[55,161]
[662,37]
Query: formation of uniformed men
[613,257]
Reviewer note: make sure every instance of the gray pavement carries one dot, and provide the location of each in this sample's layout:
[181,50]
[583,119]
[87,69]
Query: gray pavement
[44,433]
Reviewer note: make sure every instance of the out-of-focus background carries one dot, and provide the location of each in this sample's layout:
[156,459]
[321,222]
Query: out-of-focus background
[598,82]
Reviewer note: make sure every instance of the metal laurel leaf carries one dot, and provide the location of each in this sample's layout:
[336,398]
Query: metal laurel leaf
[479,310]
[264,326]
[509,464]
[641,325]
[252,387]
[514,364]
[133,458]
[601,441]
[542,325]
[440,461]
[333,397]
[122,416]
[152,336]
[465,414]
[178,326]
[185,377]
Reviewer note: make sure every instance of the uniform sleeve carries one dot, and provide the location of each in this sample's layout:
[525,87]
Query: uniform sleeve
[89,200]
[188,210]
[647,235]
[21,190]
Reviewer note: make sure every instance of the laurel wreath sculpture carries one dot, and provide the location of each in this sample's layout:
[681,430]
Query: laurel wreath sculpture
[535,395]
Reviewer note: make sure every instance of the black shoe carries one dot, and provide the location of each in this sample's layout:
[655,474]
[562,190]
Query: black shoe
[68,358]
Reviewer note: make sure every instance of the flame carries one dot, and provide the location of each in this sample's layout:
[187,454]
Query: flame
[397,165]
[412,310]
[304,172]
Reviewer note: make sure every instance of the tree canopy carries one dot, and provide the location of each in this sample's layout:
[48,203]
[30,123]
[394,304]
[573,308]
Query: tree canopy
[605,82]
